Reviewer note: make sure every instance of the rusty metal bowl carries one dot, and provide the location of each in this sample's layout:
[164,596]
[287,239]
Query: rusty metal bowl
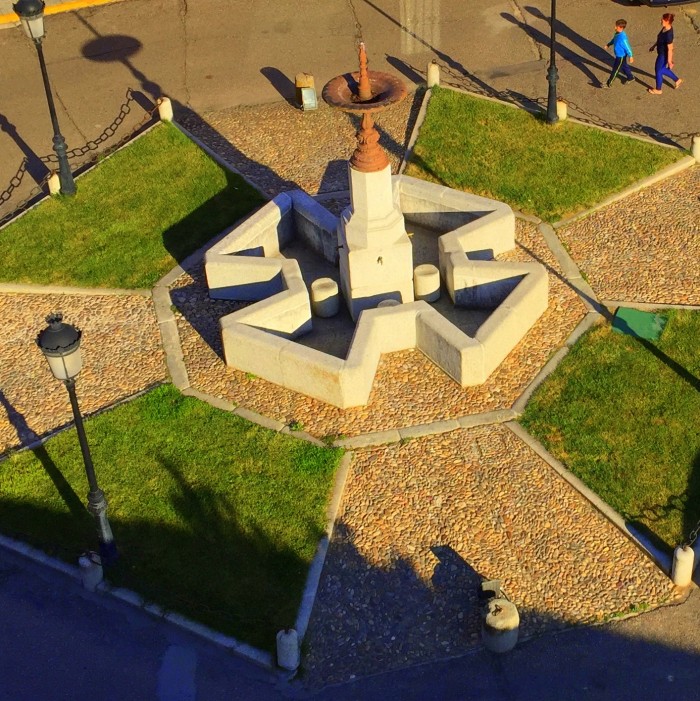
[342,92]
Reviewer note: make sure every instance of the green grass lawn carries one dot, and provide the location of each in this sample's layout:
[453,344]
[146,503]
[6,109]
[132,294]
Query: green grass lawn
[622,414]
[215,517]
[134,217]
[510,155]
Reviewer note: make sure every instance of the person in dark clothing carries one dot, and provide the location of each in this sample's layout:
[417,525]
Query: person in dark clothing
[664,57]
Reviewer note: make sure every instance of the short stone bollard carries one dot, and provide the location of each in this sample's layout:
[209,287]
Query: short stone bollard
[165,109]
[433,74]
[288,651]
[562,110]
[695,147]
[682,570]
[54,184]
[426,282]
[325,299]
[90,570]
[499,629]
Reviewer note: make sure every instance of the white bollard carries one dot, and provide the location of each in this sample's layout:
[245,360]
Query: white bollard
[426,282]
[288,653]
[682,570]
[499,629]
[695,147]
[562,110]
[325,298]
[90,570]
[433,74]
[165,109]
[54,184]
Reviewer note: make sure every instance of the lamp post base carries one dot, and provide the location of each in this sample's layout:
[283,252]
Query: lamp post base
[552,78]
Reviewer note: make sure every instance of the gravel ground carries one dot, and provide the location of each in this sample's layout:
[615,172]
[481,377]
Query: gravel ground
[408,390]
[423,522]
[646,247]
[122,355]
[280,147]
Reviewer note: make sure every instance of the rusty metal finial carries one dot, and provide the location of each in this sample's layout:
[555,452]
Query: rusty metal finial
[368,156]
[364,90]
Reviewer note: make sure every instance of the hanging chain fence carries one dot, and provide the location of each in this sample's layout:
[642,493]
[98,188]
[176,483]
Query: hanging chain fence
[92,147]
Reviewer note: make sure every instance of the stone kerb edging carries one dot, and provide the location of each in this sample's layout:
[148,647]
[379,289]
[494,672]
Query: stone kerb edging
[675,168]
[661,560]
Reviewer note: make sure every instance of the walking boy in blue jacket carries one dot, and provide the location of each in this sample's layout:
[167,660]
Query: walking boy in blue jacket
[622,51]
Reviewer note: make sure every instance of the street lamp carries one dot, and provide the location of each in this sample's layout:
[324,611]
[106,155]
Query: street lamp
[60,344]
[31,14]
[552,73]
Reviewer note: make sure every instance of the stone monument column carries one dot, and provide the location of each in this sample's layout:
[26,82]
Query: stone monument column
[375,253]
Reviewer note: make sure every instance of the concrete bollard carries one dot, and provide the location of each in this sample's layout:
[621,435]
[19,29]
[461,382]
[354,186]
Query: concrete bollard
[695,147]
[165,109]
[562,110]
[325,298]
[426,282]
[90,570]
[682,570]
[499,629]
[288,652]
[433,74]
[54,184]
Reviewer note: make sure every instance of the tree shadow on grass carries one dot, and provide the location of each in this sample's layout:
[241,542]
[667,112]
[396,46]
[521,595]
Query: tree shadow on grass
[192,554]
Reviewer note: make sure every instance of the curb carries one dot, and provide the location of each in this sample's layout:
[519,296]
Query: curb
[660,559]
[11,19]
[134,600]
[675,168]
[316,568]
[420,118]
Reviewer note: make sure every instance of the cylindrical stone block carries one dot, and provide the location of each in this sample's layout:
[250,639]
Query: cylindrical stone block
[90,571]
[325,300]
[165,109]
[682,570]
[433,74]
[695,147]
[562,110]
[499,629]
[426,282]
[288,652]
[54,184]
[388,303]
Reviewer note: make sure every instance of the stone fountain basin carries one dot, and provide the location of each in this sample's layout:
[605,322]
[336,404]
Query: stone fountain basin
[272,257]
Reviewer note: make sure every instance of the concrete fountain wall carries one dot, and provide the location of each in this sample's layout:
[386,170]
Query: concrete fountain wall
[248,264]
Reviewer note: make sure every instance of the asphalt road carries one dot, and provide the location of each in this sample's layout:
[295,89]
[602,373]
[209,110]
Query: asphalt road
[59,642]
[212,54]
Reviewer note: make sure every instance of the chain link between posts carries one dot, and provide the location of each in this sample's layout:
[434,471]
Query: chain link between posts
[474,85]
[90,147]
[693,536]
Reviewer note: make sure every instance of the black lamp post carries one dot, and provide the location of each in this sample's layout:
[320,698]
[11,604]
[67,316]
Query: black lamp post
[60,344]
[552,73]
[31,13]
